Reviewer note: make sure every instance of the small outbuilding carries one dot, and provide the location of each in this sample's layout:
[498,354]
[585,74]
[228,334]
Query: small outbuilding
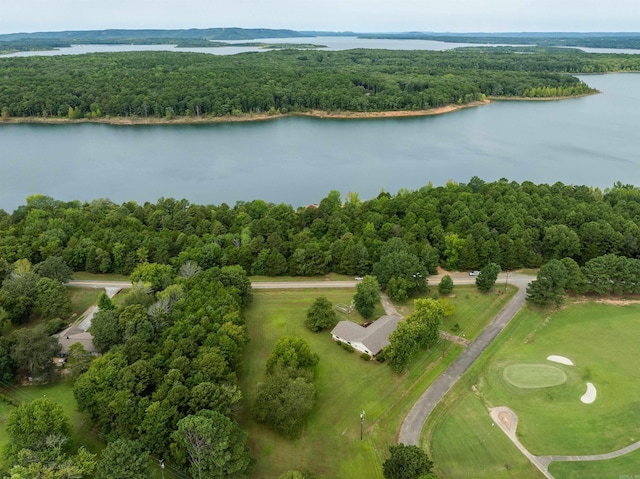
[370,339]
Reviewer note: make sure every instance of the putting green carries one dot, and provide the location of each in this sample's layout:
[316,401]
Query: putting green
[533,376]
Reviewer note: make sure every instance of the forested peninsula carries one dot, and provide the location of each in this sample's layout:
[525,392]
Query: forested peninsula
[145,86]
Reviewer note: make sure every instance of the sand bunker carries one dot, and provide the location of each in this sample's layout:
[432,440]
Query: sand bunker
[590,395]
[560,359]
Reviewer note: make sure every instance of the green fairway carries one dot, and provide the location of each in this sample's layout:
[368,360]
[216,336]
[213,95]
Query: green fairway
[624,467]
[532,376]
[601,340]
[346,385]
[465,444]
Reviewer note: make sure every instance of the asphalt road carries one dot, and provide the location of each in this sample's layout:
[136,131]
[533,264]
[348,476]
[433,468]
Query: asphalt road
[414,421]
[458,278]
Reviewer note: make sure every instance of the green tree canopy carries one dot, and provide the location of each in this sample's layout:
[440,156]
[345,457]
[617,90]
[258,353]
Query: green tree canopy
[283,402]
[320,315]
[33,352]
[123,458]
[406,462]
[446,285]
[291,353]
[549,285]
[34,425]
[487,277]
[213,446]
[367,296]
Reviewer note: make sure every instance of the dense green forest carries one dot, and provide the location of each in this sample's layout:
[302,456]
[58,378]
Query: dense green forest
[165,84]
[459,226]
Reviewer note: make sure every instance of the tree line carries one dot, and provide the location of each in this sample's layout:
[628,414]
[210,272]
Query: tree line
[461,226]
[169,84]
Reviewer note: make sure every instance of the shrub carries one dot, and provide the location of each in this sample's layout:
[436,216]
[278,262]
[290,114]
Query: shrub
[347,347]
[365,357]
[54,325]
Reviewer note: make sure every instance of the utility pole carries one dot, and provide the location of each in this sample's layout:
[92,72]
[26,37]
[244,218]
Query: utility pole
[505,282]
[361,423]
[162,467]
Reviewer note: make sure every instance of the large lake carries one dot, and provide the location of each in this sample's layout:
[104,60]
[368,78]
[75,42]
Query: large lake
[328,43]
[592,140]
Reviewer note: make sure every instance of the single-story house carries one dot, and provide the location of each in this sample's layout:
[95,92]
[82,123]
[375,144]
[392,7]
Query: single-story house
[74,335]
[368,340]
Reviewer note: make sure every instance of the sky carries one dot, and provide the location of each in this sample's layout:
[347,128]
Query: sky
[333,15]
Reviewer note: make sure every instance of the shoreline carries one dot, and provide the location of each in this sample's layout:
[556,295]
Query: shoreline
[188,120]
[543,98]
[249,117]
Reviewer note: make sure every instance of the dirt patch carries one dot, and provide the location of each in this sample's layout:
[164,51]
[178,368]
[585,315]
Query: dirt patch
[505,419]
[618,302]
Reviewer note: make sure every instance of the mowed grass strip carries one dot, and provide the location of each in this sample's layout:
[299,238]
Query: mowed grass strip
[532,376]
[346,385]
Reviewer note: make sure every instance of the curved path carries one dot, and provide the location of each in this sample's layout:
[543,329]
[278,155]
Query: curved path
[414,421]
[507,419]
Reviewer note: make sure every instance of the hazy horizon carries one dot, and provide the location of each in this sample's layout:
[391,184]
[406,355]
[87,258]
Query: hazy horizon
[454,16]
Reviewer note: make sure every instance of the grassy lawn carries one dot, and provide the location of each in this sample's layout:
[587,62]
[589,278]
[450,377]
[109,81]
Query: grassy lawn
[84,275]
[346,385]
[82,299]
[602,341]
[62,393]
[473,309]
[465,444]
[625,467]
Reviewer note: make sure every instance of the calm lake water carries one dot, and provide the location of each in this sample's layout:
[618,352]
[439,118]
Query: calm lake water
[592,140]
[330,43]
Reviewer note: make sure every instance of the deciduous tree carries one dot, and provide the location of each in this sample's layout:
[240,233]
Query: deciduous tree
[367,296]
[214,446]
[406,462]
[487,277]
[320,315]
[446,285]
[123,458]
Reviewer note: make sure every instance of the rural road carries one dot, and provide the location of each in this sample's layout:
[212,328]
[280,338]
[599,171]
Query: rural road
[458,278]
[413,423]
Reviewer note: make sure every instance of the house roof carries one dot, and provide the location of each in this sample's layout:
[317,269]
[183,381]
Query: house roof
[374,337]
[75,335]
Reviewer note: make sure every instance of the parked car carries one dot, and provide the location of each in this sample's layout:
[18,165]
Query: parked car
[358,278]
[474,273]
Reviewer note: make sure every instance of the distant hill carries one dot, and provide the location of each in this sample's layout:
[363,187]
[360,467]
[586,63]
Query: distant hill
[548,39]
[118,35]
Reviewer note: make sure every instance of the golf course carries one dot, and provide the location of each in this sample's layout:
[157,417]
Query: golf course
[585,407]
